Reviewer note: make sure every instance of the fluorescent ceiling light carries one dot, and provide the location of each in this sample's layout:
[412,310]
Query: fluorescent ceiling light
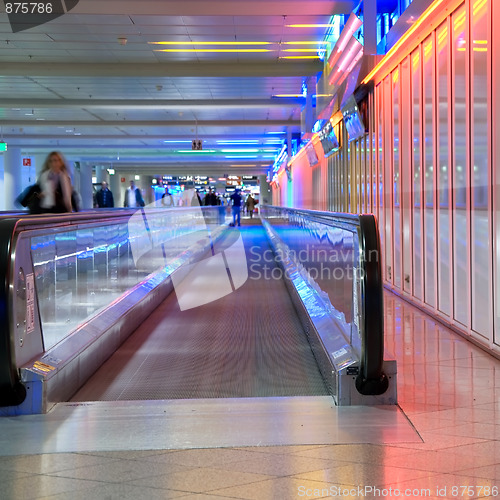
[277,132]
[177,142]
[288,95]
[299,57]
[310,25]
[213,50]
[210,43]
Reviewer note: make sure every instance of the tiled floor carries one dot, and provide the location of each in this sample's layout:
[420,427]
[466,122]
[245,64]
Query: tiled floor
[448,389]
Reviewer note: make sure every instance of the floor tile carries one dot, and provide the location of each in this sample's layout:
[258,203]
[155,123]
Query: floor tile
[364,475]
[201,480]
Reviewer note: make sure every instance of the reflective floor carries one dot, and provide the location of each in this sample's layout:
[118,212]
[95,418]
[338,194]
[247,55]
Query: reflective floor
[447,443]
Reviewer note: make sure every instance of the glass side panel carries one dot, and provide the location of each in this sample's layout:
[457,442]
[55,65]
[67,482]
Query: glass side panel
[388,128]
[396,179]
[80,270]
[461,299]
[416,70]
[443,169]
[481,264]
[428,169]
[330,256]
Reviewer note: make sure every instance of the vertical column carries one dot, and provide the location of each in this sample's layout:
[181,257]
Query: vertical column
[114,186]
[86,185]
[12,176]
[101,174]
[370,27]
[265,197]
[147,190]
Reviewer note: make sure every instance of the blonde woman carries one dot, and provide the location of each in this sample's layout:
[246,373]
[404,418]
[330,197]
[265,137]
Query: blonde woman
[55,185]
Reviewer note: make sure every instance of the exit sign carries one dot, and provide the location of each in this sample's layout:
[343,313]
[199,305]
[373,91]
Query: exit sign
[3,146]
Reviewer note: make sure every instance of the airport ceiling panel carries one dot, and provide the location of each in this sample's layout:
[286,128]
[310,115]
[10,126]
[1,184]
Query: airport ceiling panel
[93,77]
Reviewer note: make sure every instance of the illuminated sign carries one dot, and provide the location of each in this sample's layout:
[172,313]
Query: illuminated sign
[280,158]
[3,146]
[328,139]
[312,157]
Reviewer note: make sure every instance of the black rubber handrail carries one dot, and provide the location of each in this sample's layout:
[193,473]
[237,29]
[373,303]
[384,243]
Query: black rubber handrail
[371,379]
[12,391]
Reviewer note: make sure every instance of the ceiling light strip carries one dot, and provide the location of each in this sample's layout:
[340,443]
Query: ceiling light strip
[212,50]
[191,42]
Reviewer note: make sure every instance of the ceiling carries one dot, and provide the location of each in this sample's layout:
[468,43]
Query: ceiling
[70,84]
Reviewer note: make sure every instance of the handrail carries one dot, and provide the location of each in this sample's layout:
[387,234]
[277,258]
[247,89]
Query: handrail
[371,379]
[12,392]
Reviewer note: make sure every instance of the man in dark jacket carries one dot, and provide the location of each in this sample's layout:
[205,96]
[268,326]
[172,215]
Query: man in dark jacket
[104,197]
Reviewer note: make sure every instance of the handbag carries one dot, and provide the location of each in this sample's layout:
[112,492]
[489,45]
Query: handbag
[30,198]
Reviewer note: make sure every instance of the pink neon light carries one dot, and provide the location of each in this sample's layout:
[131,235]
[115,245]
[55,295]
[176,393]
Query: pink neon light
[351,26]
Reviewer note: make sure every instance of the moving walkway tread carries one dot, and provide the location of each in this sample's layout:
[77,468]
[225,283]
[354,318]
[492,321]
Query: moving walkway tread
[249,343]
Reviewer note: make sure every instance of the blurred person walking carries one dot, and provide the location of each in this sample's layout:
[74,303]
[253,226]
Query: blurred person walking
[236,206]
[56,191]
[133,197]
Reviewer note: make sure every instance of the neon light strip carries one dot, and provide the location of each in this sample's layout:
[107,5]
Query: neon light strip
[213,50]
[299,57]
[353,24]
[190,42]
[288,95]
[310,25]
